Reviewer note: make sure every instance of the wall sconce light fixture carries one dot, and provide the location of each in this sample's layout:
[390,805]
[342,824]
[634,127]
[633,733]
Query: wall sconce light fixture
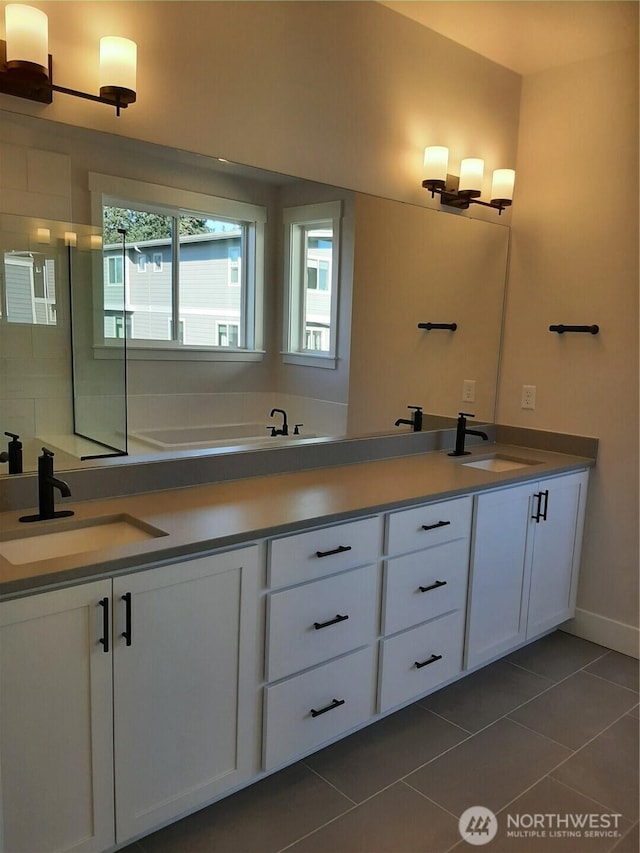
[26,65]
[462,191]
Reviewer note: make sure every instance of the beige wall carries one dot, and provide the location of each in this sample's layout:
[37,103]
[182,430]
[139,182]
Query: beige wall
[574,259]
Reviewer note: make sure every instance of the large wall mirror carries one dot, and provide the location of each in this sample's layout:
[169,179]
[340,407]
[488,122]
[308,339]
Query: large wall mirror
[356,365]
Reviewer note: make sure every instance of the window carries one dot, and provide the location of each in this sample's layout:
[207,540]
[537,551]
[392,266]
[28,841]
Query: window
[228,334]
[192,277]
[114,266]
[312,236]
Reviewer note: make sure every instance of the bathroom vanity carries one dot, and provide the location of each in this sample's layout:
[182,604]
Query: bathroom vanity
[142,681]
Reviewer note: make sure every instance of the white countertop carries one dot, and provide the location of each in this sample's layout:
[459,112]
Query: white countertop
[203,518]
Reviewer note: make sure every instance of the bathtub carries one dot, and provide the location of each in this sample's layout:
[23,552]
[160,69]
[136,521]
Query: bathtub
[214,435]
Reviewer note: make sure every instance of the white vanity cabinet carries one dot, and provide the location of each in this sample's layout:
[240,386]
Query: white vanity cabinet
[524,563]
[320,642]
[56,759]
[144,686]
[425,594]
[185,652]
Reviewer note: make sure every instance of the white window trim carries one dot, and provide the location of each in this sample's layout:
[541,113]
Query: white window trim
[118,191]
[310,214]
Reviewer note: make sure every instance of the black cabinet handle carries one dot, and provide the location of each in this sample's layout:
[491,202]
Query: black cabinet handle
[432,586]
[127,629]
[104,639]
[318,625]
[546,504]
[339,550]
[335,704]
[437,524]
[432,659]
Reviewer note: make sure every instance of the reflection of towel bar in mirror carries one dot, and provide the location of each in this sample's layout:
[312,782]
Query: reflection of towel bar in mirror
[429,326]
[560,329]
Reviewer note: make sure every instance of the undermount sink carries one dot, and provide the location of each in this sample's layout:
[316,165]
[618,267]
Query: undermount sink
[79,537]
[499,463]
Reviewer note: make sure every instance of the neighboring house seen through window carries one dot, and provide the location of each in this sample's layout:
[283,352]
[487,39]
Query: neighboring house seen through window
[189,279]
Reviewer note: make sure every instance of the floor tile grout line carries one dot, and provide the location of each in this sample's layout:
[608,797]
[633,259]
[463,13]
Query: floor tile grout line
[430,800]
[527,728]
[317,829]
[609,681]
[449,722]
[607,807]
[331,784]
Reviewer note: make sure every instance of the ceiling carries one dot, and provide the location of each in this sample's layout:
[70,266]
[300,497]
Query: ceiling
[528,36]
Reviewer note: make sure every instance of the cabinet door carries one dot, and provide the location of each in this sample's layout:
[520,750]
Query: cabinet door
[185,687]
[497,609]
[56,767]
[556,552]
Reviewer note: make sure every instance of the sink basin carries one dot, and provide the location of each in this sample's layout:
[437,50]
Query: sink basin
[499,463]
[79,537]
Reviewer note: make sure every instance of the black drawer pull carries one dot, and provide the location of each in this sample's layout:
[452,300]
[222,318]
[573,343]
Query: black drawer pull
[318,625]
[339,550]
[432,586]
[127,630]
[335,704]
[104,639]
[437,524]
[432,659]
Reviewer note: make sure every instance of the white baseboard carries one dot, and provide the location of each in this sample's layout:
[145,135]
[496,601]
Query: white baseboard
[606,632]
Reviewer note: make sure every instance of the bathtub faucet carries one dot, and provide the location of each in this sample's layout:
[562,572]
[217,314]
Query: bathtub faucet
[285,426]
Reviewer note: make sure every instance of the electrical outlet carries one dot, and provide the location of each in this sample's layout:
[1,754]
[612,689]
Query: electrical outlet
[469,391]
[528,400]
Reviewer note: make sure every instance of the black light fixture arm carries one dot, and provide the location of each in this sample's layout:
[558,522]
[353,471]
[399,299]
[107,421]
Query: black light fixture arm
[35,83]
[462,200]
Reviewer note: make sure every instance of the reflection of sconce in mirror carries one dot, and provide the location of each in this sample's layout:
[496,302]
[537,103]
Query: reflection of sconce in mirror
[95,242]
[465,190]
[70,239]
[26,65]
[43,235]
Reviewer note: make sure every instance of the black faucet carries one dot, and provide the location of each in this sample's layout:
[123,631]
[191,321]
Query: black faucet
[46,484]
[13,454]
[285,426]
[462,432]
[415,422]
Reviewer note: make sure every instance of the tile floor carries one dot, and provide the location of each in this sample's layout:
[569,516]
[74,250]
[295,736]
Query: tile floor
[551,729]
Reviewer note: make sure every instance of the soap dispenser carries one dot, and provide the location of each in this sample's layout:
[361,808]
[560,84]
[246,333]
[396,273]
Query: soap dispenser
[13,454]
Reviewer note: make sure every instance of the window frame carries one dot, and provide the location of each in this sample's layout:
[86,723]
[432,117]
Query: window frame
[298,221]
[107,190]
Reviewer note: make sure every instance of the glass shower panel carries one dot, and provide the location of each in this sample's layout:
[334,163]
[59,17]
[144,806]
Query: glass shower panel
[98,334]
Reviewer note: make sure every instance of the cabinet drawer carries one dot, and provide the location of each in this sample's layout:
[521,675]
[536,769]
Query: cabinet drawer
[437,647]
[431,524]
[312,623]
[310,709]
[316,553]
[425,584]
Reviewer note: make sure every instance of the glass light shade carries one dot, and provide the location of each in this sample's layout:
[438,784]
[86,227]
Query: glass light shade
[43,235]
[502,185]
[436,163]
[95,241]
[471,173]
[118,61]
[27,35]
[70,238]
